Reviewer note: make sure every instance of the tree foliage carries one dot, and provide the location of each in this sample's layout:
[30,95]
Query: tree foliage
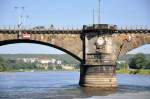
[20,65]
[139,61]
[6,65]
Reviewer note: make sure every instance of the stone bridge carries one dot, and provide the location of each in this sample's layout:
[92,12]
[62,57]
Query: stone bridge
[65,40]
[97,47]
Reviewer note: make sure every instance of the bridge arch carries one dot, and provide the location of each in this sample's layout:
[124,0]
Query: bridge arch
[6,42]
[137,47]
[137,40]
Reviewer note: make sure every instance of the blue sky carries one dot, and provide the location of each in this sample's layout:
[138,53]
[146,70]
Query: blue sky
[71,13]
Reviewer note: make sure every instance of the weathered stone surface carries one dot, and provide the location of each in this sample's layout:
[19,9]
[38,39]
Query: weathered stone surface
[125,42]
[98,76]
[112,46]
[68,42]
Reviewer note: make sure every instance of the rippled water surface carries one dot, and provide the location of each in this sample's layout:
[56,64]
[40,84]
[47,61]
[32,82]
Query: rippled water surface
[64,85]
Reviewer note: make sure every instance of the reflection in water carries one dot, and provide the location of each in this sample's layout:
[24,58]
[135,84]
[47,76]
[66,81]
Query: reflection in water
[64,85]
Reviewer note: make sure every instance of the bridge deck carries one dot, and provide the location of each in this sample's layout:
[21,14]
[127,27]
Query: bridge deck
[30,31]
[102,31]
[109,31]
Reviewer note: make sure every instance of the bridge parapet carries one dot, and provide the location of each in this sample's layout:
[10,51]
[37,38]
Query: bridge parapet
[105,29]
[63,28]
[134,27]
[65,40]
[38,30]
[96,28]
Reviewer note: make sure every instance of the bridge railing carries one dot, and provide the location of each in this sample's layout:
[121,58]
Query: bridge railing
[67,27]
[133,27]
[116,27]
[56,27]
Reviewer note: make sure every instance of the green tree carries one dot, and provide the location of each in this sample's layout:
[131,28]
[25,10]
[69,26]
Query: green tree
[59,67]
[147,66]
[77,66]
[126,66]
[50,67]
[139,61]
[3,65]
[120,66]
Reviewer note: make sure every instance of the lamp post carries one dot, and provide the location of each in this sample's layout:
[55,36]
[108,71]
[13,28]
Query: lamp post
[25,20]
[93,16]
[99,17]
[20,16]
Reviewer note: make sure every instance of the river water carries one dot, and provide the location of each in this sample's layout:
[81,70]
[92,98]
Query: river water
[64,85]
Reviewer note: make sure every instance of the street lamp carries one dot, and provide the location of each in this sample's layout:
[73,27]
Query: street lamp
[20,16]
[99,17]
[93,16]
[24,20]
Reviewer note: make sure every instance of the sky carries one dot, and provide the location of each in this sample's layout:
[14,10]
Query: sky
[70,13]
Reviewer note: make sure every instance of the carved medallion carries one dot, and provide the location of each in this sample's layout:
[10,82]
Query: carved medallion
[100,41]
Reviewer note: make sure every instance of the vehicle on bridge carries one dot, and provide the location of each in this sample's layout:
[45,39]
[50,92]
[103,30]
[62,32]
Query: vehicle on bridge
[39,28]
[51,27]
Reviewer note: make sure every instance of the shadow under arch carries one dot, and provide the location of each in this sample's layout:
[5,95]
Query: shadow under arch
[6,42]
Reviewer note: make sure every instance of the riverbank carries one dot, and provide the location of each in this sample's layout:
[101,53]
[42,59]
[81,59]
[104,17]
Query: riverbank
[121,71]
[139,71]
[34,70]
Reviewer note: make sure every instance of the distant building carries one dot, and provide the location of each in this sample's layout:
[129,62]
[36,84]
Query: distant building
[53,61]
[28,60]
[120,62]
[68,67]
[44,63]
[58,62]
[44,60]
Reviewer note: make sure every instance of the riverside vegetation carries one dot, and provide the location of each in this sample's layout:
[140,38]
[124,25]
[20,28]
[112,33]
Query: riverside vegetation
[6,63]
[138,64]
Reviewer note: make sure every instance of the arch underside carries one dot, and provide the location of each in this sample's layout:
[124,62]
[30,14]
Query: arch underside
[6,42]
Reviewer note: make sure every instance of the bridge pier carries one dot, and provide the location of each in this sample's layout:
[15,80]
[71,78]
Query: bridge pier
[98,76]
[98,67]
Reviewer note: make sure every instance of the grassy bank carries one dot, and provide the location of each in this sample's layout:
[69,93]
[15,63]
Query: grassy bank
[139,71]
